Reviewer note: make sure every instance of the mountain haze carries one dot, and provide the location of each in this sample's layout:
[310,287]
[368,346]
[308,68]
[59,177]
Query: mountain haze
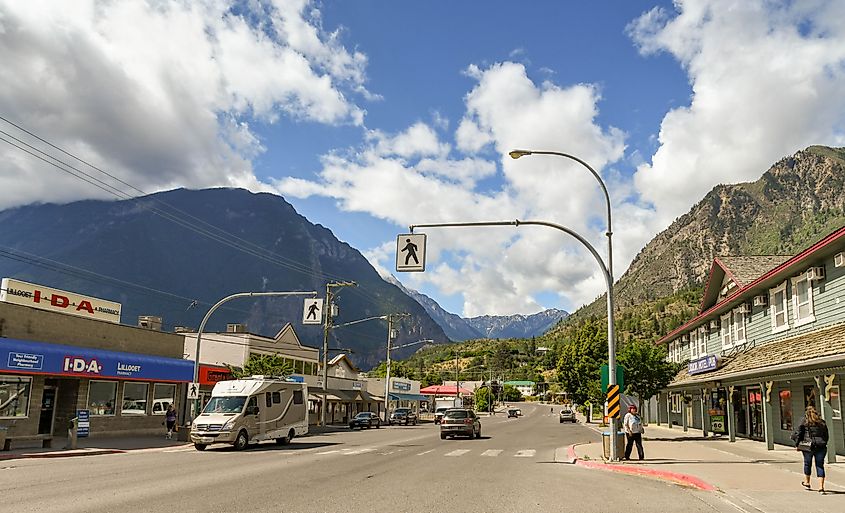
[156,260]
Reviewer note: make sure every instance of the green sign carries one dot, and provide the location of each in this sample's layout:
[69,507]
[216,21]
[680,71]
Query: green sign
[620,378]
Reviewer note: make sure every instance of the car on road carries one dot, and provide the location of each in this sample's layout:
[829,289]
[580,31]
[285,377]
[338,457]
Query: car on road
[460,421]
[567,415]
[403,416]
[438,414]
[365,419]
[513,412]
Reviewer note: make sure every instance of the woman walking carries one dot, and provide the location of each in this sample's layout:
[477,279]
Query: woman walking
[170,420]
[811,439]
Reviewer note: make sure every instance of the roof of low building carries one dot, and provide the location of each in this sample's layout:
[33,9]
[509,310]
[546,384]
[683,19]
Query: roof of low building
[520,383]
[786,355]
[745,269]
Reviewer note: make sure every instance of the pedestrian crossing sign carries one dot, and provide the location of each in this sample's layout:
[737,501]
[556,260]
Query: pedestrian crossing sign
[312,311]
[410,252]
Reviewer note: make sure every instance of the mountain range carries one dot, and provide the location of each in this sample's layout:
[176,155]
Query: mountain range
[486,326]
[174,254]
[796,202]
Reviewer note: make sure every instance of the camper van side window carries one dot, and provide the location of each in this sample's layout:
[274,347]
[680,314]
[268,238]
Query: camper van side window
[269,399]
[297,397]
[277,397]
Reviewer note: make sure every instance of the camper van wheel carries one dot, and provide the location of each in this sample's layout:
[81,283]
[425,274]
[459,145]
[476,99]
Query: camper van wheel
[241,441]
[200,447]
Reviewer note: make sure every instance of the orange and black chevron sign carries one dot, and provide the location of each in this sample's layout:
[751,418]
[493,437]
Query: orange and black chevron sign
[613,401]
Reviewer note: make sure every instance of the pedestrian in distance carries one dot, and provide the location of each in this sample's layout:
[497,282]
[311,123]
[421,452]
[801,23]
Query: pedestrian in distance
[811,439]
[632,424]
[170,420]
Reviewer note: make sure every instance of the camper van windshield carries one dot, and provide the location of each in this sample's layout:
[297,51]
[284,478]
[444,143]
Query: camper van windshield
[232,404]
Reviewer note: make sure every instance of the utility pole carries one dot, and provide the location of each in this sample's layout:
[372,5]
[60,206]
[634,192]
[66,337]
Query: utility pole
[327,326]
[391,318]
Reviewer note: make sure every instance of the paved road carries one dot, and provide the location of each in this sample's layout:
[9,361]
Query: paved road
[395,469]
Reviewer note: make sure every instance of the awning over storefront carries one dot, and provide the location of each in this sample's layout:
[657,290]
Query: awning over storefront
[444,390]
[27,357]
[394,396]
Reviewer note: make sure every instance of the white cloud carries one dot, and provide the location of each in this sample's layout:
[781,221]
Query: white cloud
[162,94]
[499,270]
[768,79]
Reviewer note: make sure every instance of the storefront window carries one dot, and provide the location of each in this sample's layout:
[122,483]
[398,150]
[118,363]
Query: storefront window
[835,403]
[101,397]
[162,396]
[810,397]
[14,396]
[785,397]
[134,399]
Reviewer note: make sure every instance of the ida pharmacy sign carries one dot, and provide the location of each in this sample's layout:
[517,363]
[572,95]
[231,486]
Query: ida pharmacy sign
[55,300]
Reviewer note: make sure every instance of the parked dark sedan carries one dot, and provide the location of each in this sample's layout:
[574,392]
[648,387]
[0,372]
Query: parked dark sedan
[366,419]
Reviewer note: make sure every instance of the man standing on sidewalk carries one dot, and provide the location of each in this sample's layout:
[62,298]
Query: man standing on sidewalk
[633,427]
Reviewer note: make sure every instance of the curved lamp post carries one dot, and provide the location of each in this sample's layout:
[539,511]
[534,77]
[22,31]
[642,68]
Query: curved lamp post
[614,449]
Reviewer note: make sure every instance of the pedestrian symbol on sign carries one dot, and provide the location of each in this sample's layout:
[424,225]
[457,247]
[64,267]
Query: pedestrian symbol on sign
[193,391]
[410,252]
[312,311]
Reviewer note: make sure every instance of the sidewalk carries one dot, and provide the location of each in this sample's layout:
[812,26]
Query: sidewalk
[89,446]
[744,470]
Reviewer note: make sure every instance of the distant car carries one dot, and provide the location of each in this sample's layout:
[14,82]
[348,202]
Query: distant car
[460,421]
[365,419]
[438,414]
[513,412]
[402,416]
[567,415]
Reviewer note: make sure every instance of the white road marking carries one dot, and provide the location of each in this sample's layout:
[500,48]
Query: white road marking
[525,453]
[491,452]
[329,452]
[457,452]
[425,452]
[348,452]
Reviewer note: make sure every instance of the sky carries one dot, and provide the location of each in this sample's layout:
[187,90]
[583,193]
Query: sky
[369,116]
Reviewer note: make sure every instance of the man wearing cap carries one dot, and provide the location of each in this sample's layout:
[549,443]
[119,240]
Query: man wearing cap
[633,427]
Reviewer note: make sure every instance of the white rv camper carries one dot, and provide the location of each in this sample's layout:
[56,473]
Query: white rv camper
[254,409]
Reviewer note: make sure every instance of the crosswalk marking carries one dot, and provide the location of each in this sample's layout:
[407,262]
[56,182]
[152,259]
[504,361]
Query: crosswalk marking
[333,451]
[457,452]
[349,452]
[492,452]
[525,453]
[425,452]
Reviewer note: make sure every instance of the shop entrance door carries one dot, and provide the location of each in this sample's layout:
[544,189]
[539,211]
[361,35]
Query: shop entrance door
[48,411]
[755,413]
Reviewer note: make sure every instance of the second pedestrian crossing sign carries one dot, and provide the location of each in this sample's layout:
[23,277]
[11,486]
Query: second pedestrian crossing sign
[312,311]
[410,252]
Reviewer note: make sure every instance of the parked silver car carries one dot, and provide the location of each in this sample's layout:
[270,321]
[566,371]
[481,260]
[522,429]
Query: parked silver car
[460,421]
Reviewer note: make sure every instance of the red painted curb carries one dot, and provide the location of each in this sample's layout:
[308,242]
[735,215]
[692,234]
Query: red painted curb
[681,479]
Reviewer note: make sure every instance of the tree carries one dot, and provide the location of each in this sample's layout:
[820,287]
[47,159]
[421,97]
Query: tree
[482,398]
[646,368]
[581,357]
[263,365]
[511,394]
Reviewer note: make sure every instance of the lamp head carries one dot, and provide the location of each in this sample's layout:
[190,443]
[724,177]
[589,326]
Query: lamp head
[515,154]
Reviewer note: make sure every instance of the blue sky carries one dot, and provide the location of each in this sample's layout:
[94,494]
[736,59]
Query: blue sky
[371,115]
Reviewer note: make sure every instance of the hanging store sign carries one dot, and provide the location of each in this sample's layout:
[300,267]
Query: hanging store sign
[398,385]
[55,300]
[706,364]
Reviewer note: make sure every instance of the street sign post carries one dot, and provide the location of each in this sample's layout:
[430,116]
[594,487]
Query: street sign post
[410,252]
[620,377]
[312,311]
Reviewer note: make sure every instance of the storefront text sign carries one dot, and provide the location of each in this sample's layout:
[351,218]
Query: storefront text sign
[29,357]
[83,423]
[55,300]
[398,385]
[706,364]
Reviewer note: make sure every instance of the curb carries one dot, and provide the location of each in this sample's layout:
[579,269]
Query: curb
[566,455]
[66,454]
[664,475]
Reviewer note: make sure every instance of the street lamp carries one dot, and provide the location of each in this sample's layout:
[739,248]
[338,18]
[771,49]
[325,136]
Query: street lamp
[611,342]
[605,273]
[216,306]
